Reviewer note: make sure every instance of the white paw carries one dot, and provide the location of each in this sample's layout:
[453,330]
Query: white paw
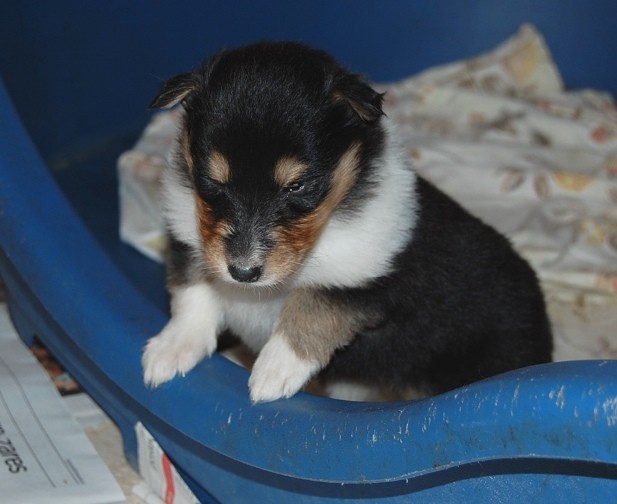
[173,352]
[187,338]
[278,372]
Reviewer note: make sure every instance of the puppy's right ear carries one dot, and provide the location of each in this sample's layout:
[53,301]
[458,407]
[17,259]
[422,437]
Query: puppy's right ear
[361,98]
[176,89]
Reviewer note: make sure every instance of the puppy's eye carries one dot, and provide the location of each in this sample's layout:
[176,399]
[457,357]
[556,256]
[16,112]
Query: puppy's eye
[208,187]
[295,188]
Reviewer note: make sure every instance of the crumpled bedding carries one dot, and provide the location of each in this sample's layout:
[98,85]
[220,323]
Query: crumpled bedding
[500,134]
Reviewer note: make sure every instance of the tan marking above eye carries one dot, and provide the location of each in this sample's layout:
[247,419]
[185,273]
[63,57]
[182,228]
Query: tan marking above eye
[218,168]
[288,170]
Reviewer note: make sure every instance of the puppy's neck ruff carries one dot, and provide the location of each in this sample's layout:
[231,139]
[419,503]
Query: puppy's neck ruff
[355,249]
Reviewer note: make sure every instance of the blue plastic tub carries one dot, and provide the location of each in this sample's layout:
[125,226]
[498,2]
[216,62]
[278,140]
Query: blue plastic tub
[77,76]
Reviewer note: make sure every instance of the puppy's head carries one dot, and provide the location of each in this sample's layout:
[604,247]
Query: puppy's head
[277,139]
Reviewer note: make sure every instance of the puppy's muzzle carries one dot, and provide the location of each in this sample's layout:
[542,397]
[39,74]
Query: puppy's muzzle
[247,246]
[246,274]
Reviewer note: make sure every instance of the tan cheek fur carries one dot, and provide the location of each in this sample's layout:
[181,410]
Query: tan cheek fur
[213,233]
[295,241]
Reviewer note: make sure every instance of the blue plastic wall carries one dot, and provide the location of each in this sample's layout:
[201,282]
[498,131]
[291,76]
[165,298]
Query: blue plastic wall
[77,77]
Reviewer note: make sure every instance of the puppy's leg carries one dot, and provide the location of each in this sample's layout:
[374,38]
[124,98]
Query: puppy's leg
[189,336]
[309,329]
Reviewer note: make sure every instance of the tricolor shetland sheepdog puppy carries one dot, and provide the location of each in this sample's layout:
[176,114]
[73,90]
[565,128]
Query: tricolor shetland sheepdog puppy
[297,223]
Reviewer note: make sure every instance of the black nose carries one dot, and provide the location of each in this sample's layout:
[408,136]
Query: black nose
[245,273]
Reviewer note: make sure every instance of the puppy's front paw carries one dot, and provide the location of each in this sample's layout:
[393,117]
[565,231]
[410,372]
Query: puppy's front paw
[173,351]
[279,372]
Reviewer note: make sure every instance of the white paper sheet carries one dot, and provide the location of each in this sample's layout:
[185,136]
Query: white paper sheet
[45,457]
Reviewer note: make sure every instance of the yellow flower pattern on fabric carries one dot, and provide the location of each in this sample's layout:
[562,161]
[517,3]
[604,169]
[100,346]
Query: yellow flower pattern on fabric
[572,181]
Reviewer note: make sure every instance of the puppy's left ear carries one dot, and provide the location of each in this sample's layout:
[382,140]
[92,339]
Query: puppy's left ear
[352,90]
[176,89]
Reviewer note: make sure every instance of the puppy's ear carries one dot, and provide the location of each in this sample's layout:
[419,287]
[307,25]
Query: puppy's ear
[365,102]
[176,89]
[182,86]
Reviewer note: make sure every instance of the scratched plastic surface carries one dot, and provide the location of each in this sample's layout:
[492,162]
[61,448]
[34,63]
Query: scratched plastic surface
[543,434]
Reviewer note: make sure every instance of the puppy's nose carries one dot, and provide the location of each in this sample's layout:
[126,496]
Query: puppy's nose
[245,273]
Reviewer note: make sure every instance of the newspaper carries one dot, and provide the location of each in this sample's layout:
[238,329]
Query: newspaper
[45,457]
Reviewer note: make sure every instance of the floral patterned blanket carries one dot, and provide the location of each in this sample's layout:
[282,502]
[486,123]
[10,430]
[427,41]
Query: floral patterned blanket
[500,134]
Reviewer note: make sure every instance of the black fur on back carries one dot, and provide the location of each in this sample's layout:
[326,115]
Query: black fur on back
[459,306]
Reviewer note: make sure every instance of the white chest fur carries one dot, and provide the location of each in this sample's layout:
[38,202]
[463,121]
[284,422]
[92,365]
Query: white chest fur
[250,313]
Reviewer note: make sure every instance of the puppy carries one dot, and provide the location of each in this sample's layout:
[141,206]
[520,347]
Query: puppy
[297,223]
